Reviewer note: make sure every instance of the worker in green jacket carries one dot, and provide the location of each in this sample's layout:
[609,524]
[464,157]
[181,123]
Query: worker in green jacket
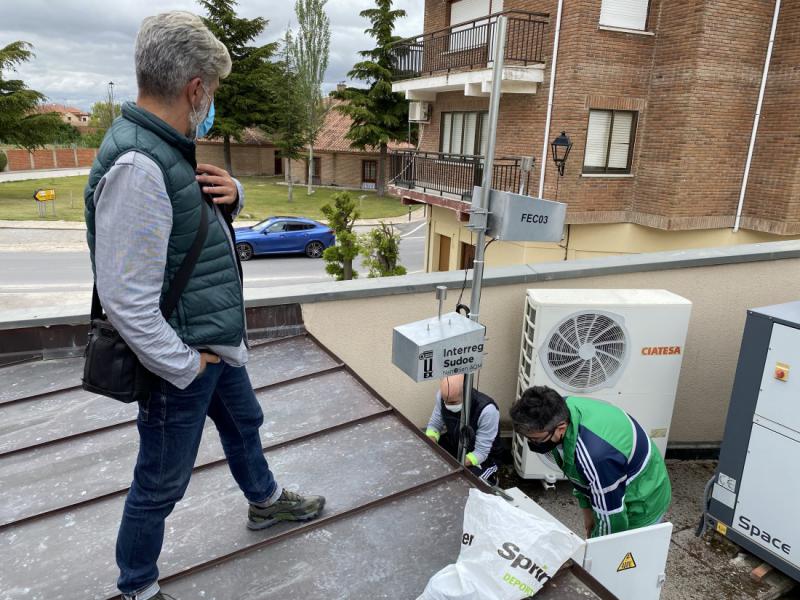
[618,474]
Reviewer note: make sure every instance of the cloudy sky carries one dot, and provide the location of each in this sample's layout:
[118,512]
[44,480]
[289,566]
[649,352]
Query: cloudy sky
[81,45]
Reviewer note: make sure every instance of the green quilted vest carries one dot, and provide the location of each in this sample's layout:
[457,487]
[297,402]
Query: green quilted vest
[211,308]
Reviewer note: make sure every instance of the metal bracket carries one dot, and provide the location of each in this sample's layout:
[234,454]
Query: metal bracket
[478,219]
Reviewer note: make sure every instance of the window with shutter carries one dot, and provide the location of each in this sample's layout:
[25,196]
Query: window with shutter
[468,10]
[464,133]
[619,148]
[473,35]
[625,14]
[470,133]
[597,139]
[457,139]
[484,138]
[609,141]
[447,127]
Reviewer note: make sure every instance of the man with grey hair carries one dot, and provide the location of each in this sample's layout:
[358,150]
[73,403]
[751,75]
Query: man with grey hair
[145,200]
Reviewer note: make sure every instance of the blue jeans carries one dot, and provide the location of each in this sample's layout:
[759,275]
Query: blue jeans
[170,426]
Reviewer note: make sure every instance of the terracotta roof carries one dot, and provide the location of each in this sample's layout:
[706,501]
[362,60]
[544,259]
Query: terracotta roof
[251,135]
[60,108]
[332,138]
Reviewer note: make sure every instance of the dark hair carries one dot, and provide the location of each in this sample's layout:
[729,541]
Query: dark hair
[540,408]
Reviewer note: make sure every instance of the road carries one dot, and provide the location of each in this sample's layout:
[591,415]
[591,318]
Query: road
[42,278]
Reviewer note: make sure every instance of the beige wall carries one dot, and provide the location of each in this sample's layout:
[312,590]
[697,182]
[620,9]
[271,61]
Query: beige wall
[720,296]
[338,168]
[247,160]
[585,241]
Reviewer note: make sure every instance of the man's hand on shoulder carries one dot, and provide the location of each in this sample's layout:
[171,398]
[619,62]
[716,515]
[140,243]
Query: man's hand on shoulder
[217,183]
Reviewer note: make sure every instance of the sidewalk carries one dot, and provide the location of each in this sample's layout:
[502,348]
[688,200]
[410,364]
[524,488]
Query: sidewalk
[41,174]
[416,216]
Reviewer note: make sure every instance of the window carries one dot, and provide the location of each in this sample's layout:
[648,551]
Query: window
[277,227]
[464,133]
[469,10]
[625,14]
[609,141]
[292,226]
[369,171]
[462,11]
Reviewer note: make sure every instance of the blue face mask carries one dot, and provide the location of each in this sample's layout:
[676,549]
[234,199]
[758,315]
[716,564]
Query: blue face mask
[205,126]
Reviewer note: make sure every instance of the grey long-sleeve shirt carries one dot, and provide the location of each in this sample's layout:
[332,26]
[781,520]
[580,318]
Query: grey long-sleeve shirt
[488,425]
[133,220]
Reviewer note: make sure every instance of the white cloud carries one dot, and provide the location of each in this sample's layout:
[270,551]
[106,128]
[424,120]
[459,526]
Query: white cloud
[81,45]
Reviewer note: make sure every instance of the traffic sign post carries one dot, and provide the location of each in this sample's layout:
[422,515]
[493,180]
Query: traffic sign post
[42,197]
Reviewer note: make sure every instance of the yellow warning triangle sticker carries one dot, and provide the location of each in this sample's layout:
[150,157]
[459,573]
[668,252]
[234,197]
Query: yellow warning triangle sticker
[627,563]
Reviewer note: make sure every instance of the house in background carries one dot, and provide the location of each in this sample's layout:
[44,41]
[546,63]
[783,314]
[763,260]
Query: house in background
[69,114]
[253,155]
[658,97]
[336,162]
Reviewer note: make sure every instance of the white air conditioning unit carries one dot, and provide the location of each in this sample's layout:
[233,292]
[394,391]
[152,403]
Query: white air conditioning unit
[419,112]
[624,347]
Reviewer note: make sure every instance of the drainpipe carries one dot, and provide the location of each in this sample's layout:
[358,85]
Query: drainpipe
[757,117]
[550,95]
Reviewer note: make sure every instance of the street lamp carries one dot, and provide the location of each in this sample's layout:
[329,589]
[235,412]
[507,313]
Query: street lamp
[561,147]
[111,106]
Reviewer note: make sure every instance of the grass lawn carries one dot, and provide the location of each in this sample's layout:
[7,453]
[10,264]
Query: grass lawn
[264,196]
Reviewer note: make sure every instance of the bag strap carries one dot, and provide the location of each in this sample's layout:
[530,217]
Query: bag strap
[97,308]
[181,279]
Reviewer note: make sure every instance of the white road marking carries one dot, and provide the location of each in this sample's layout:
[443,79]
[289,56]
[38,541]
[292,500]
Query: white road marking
[417,228]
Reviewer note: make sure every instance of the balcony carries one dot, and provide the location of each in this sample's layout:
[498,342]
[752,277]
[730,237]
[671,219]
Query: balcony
[448,179]
[460,57]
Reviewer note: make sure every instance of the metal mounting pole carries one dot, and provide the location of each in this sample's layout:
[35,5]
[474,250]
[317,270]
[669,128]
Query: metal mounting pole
[480,204]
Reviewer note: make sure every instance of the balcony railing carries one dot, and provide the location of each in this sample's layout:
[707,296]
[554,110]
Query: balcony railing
[454,174]
[470,45]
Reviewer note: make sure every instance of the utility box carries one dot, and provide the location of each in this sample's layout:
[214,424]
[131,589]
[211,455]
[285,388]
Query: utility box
[755,490]
[519,218]
[419,112]
[438,347]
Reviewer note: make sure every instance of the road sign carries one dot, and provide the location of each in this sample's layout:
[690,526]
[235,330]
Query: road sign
[44,195]
[517,218]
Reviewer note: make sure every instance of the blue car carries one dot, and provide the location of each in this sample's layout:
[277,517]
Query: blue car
[284,235]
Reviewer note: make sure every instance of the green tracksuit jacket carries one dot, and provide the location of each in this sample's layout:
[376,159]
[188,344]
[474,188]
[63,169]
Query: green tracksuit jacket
[614,467]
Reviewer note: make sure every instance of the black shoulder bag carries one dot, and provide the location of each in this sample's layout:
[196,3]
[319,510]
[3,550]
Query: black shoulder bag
[111,367]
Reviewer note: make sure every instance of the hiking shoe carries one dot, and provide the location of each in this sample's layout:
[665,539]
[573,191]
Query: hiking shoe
[288,507]
[159,596]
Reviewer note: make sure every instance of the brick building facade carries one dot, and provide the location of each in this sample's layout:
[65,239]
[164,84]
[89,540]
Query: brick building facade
[337,163]
[671,86]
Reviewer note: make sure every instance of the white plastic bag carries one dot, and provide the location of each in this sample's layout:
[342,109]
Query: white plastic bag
[506,554]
